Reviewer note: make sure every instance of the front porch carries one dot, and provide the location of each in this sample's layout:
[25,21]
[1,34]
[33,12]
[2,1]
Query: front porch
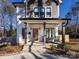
[41,30]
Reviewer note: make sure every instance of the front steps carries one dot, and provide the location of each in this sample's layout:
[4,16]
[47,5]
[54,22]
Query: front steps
[35,47]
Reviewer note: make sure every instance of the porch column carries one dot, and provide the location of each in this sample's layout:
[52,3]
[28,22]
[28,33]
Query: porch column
[44,37]
[19,33]
[25,32]
[63,38]
[28,30]
[63,34]
[19,28]
[56,33]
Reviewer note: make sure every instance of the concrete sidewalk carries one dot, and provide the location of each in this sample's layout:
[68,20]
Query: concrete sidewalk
[38,52]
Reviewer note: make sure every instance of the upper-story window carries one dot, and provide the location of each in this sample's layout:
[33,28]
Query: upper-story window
[36,12]
[39,12]
[43,12]
[48,12]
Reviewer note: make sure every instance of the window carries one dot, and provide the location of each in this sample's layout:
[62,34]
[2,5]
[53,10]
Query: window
[36,12]
[48,12]
[39,12]
[50,33]
[42,12]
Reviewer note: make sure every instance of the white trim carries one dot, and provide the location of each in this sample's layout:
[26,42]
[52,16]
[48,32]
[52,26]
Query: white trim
[47,21]
[19,33]
[56,29]
[58,13]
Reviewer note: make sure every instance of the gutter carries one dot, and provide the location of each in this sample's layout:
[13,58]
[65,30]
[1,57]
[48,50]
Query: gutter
[65,24]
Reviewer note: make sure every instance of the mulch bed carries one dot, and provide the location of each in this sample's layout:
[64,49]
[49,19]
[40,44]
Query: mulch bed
[4,50]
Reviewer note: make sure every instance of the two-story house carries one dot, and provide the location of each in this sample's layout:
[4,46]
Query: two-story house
[39,18]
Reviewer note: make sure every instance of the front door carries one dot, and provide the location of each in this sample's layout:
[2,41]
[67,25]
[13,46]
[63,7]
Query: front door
[35,34]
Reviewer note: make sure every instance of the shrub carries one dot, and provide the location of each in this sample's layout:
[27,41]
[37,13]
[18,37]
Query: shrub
[66,48]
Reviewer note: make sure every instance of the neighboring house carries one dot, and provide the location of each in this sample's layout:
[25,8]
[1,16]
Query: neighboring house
[40,18]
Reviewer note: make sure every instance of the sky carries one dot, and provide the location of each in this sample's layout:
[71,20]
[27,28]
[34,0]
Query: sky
[64,7]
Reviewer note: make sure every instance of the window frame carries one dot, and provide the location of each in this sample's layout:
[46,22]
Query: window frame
[50,33]
[46,11]
[39,12]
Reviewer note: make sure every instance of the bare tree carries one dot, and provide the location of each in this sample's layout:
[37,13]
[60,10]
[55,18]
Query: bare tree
[74,15]
[6,9]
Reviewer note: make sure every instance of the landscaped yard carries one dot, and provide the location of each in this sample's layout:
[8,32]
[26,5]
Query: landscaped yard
[10,49]
[73,50]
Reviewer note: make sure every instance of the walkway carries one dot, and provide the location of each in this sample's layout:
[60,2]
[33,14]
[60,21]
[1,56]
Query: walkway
[38,52]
